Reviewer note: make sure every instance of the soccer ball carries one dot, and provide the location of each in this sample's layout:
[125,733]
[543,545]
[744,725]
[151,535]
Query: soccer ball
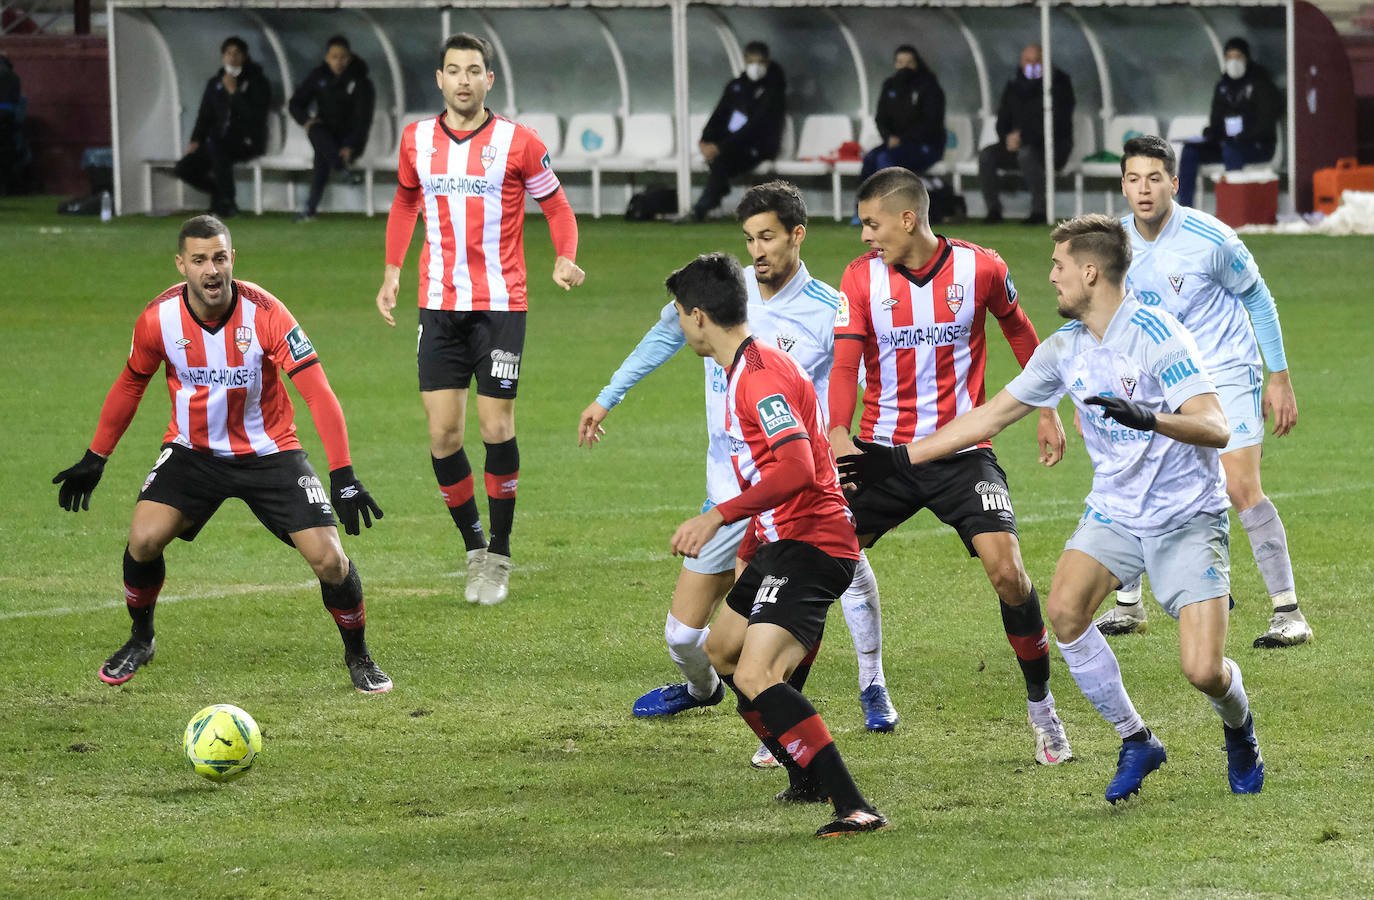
[222,741]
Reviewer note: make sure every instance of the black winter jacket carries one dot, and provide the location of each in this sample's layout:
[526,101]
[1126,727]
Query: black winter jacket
[1023,109]
[1254,98]
[762,105]
[912,107]
[343,104]
[239,120]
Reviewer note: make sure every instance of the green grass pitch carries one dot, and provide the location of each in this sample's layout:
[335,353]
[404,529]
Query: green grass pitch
[506,762]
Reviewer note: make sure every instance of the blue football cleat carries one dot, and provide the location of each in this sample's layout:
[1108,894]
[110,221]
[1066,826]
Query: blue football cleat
[879,714]
[1244,765]
[1137,759]
[674,698]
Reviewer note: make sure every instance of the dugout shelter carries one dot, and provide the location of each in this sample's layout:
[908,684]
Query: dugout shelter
[619,89]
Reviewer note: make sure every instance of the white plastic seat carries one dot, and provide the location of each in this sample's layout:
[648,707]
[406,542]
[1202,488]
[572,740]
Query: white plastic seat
[648,145]
[959,144]
[821,135]
[380,155]
[591,138]
[546,126]
[1119,130]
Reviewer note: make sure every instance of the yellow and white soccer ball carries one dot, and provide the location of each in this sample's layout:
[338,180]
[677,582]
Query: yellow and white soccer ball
[222,741]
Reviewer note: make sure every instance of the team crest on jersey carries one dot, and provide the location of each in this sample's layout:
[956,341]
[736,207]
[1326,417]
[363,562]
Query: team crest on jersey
[488,155]
[1176,281]
[775,415]
[1128,385]
[785,343]
[954,297]
[243,338]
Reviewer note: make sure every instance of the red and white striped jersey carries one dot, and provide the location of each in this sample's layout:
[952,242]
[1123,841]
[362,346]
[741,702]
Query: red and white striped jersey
[769,402]
[474,205]
[227,394]
[924,346]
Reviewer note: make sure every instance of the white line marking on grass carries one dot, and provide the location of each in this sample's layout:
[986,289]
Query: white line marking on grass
[236,590]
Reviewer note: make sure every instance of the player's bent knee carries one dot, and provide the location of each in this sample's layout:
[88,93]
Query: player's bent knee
[1208,676]
[753,681]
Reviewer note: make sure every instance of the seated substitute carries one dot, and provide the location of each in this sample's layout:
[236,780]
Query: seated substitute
[1153,424]
[802,551]
[231,127]
[1243,126]
[910,118]
[224,345]
[1021,135]
[746,127]
[334,105]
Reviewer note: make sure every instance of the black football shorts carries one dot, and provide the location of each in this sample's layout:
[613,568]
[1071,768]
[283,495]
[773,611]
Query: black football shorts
[791,584]
[967,491]
[456,346]
[282,489]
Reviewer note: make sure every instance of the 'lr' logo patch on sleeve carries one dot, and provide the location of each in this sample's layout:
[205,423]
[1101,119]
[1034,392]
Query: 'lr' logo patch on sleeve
[775,415]
[298,344]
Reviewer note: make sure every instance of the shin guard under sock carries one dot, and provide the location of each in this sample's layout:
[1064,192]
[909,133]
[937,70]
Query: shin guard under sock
[799,727]
[345,603]
[750,714]
[1026,633]
[503,477]
[142,583]
[454,475]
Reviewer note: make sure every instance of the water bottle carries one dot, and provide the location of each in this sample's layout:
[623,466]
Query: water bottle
[106,206]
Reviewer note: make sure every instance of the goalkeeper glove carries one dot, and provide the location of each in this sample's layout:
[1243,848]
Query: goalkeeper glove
[876,463]
[78,482]
[350,499]
[1132,415]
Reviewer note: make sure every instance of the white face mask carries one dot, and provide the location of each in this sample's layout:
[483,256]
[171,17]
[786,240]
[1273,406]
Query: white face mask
[236,71]
[1234,68]
[755,71]
[1033,70]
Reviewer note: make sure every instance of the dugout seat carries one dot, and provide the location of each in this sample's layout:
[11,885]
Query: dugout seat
[274,145]
[1214,171]
[1119,130]
[591,138]
[821,136]
[383,149]
[648,145]
[547,127]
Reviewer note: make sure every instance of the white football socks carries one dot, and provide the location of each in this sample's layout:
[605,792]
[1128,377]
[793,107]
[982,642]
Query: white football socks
[687,647]
[1269,543]
[863,614]
[1233,706]
[1094,667]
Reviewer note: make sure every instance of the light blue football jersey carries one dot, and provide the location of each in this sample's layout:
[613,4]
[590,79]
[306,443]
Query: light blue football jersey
[1198,270]
[1149,483]
[799,319]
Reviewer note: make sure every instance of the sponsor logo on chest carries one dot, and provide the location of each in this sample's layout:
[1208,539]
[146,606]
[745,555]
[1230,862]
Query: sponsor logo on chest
[459,185]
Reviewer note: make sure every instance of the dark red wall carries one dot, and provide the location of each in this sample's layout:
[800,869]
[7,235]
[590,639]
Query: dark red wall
[67,81]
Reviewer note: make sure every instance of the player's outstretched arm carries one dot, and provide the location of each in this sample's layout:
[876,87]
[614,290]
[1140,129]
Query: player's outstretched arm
[1199,419]
[1280,400]
[386,296]
[1049,433]
[589,428]
[567,274]
[79,481]
[351,500]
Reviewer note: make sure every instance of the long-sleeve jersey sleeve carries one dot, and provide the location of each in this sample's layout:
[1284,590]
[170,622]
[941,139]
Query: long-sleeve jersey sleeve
[1264,316]
[118,410]
[326,412]
[657,346]
[794,469]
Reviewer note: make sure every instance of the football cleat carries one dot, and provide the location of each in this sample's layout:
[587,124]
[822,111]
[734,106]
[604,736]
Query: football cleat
[672,699]
[763,758]
[1137,759]
[1244,765]
[472,591]
[853,823]
[879,714]
[495,583]
[1051,743]
[807,792]
[1122,620]
[367,676]
[127,660]
[1286,629]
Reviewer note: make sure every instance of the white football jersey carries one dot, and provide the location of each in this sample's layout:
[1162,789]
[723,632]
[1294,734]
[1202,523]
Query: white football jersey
[1197,269]
[1149,483]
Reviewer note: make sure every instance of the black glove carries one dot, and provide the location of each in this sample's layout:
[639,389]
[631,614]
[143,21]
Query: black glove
[873,465]
[1132,415]
[78,482]
[351,498]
